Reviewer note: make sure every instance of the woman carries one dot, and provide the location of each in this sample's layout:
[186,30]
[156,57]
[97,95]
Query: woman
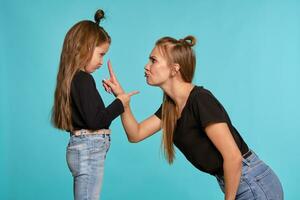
[195,121]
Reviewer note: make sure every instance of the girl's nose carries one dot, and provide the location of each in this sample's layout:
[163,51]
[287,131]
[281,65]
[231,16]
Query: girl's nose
[146,67]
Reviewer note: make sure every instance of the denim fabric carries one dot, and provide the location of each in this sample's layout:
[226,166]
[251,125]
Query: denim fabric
[257,182]
[85,158]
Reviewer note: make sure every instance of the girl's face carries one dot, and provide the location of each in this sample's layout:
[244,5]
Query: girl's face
[157,70]
[97,58]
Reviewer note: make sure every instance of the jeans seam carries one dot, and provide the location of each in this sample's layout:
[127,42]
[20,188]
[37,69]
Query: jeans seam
[249,185]
[88,175]
[261,189]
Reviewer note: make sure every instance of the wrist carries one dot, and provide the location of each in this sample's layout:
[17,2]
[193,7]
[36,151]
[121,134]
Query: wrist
[120,92]
[126,106]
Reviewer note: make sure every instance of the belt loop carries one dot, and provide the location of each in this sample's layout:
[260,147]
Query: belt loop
[81,135]
[245,161]
[245,156]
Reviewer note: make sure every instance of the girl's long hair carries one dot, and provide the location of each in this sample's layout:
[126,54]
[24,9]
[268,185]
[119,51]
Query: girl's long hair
[179,52]
[77,51]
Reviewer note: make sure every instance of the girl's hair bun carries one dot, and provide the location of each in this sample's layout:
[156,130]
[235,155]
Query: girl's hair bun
[98,16]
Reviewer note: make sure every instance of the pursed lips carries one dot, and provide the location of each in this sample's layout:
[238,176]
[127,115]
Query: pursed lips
[146,74]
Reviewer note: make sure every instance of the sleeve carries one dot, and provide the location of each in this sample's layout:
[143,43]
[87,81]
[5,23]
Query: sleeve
[208,110]
[92,108]
[158,112]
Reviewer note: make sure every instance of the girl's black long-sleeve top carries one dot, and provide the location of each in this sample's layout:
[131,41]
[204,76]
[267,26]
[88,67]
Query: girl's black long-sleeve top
[88,109]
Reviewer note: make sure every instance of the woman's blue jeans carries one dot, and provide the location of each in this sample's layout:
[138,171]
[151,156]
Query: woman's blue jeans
[85,158]
[258,181]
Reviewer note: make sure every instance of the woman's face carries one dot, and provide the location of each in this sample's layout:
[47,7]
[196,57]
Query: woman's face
[157,70]
[97,57]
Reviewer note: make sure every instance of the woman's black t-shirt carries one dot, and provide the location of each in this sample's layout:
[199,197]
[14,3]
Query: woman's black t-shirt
[202,109]
[88,109]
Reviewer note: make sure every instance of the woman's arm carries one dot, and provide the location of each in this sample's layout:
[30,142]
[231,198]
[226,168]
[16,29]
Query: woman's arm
[139,131]
[220,135]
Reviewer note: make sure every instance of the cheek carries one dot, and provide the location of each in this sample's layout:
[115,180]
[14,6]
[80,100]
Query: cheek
[161,72]
[100,59]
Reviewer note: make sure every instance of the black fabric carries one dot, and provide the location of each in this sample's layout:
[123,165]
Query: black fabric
[88,109]
[202,109]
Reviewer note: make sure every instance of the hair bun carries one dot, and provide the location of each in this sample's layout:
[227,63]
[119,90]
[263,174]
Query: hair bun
[189,40]
[98,16]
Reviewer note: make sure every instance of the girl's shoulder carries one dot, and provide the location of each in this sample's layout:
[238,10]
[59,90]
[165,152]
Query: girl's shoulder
[83,80]
[83,77]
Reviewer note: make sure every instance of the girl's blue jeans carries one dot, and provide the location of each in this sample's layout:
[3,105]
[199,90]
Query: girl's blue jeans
[85,158]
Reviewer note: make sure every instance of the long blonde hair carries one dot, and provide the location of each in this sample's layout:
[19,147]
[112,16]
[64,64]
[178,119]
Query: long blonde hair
[179,52]
[77,51]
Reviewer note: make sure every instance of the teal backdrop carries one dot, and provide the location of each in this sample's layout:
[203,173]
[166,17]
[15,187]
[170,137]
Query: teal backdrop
[248,55]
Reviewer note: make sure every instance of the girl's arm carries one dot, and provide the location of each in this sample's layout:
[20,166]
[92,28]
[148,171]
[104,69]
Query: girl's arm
[220,135]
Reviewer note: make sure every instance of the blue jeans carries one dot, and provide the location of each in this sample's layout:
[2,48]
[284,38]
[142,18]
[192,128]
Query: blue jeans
[85,158]
[258,181]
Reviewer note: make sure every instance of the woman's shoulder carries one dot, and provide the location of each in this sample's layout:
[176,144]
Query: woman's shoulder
[201,91]
[200,94]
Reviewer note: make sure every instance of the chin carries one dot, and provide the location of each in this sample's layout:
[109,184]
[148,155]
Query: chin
[151,83]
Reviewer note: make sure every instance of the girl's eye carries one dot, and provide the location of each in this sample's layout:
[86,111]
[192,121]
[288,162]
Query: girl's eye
[152,60]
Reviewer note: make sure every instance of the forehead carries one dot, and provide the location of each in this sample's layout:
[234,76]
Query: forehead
[157,51]
[102,47]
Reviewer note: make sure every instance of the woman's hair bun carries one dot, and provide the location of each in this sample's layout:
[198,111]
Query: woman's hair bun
[98,16]
[189,40]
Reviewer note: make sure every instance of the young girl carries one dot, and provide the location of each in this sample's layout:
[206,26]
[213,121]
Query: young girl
[79,109]
[197,123]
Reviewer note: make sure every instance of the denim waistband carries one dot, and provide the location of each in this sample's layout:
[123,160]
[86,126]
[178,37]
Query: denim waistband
[90,136]
[247,154]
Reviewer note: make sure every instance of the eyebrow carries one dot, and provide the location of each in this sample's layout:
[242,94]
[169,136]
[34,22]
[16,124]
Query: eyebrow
[153,57]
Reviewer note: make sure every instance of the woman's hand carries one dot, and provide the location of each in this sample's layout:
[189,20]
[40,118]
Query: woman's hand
[114,85]
[125,98]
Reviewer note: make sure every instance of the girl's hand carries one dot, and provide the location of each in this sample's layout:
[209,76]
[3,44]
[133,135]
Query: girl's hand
[125,98]
[114,85]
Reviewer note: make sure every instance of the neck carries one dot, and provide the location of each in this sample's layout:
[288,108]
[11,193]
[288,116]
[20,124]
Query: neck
[178,92]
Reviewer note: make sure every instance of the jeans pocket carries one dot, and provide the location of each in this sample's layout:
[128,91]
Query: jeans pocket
[74,152]
[73,161]
[270,185]
[244,191]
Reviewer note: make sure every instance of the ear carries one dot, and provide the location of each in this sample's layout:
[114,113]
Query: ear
[175,69]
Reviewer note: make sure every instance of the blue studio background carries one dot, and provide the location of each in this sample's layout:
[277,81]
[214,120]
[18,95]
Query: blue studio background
[248,54]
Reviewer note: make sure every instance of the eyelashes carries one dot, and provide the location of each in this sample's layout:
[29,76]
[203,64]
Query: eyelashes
[152,60]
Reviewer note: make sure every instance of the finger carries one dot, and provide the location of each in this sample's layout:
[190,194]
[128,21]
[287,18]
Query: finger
[106,87]
[133,93]
[110,69]
[109,83]
[111,86]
